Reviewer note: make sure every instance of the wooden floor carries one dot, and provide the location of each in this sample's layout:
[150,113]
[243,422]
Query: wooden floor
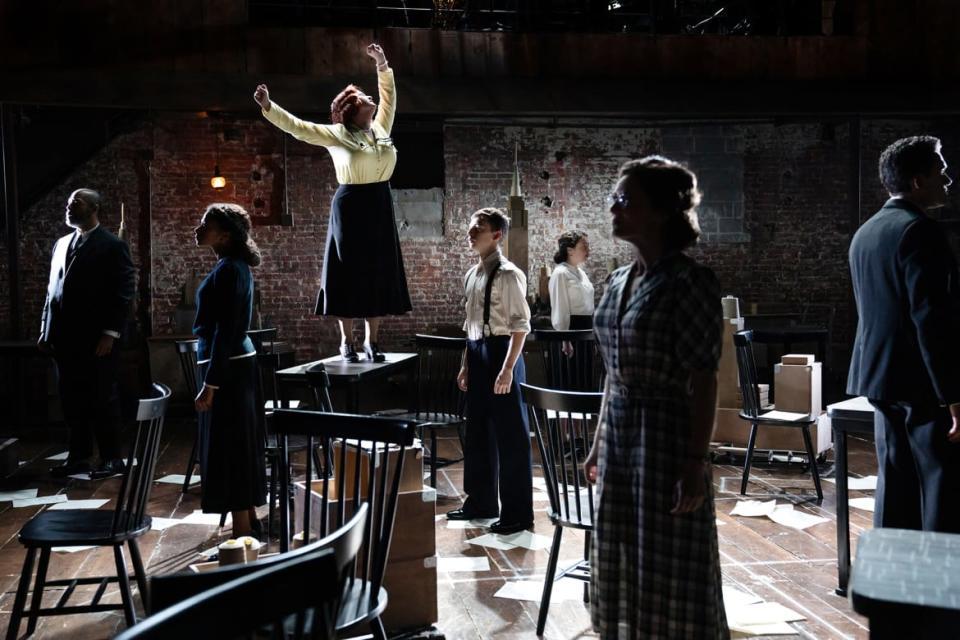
[776,563]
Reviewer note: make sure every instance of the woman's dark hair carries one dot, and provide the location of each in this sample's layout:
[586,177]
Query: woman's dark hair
[567,240]
[345,106]
[906,159]
[233,219]
[496,218]
[672,190]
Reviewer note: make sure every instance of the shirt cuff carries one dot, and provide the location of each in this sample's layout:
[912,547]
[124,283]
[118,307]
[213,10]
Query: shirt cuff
[112,334]
[209,386]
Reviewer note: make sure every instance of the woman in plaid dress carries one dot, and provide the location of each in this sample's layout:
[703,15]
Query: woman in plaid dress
[655,563]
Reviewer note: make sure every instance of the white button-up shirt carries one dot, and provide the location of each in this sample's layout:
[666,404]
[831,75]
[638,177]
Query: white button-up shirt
[509,312]
[571,294]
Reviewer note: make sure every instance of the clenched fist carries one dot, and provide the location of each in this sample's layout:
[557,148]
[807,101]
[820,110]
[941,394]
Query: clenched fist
[262,97]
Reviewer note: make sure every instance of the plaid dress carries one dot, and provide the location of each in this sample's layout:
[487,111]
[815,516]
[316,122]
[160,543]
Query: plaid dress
[655,575]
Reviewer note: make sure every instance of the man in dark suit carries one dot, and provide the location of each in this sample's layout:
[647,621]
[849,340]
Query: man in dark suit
[906,356]
[88,299]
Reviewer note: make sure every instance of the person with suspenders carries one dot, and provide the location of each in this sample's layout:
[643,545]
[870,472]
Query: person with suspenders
[497,445]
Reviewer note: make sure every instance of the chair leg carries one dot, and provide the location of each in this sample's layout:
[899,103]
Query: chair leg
[223,519]
[274,487]
[123,580]
[814,470]
[192,460]
[16,615]
[749,460]
[138,571]
[37,600]
[586,557]
[376,626]
[433,458]
[549,579]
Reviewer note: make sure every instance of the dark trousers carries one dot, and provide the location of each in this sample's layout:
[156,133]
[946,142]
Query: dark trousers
[91,403]
[497,446]
[919,469]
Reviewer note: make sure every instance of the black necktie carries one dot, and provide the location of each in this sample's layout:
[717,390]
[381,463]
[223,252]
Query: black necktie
[74,245]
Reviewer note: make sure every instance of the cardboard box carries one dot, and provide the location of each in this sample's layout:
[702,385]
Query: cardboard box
[797,388]
[764,393]
[414,525]
[412,591]
[731,429]
[798,358]
[728,385]
[411,479]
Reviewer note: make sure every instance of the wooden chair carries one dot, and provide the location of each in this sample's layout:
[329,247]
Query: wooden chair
[439,403]
[564,422]
[380,440]
[123,525]
[295,598]
[187,353]
[171,589]
[753,412]
[581,371]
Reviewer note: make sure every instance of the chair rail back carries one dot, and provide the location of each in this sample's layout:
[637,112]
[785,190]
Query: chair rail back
[141,461]
[439,363]
[187,353]
[580,371]
[747,373]
[564,423]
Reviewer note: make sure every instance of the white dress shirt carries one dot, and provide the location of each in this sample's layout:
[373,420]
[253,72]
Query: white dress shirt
[509,312]
[571,294]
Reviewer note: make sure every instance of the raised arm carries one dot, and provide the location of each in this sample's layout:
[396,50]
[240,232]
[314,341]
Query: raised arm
[386,86]
[310,132]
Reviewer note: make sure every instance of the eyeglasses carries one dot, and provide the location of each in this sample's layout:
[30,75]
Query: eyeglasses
[619,199]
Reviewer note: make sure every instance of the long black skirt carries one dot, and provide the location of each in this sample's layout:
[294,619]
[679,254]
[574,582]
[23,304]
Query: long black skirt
[363,274]
[231,442]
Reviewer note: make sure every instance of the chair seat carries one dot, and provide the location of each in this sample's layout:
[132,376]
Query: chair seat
[762,419]
[356,608]
[76,527]
[429,420]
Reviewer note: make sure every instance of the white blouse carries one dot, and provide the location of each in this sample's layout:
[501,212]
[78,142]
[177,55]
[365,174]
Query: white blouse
[571,294]
[509,312]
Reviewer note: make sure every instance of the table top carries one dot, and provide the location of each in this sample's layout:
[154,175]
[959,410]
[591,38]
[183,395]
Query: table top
[920,568]
[858,408]
[339,370]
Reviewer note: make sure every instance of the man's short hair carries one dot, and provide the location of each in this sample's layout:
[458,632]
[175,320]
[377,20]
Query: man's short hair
[89,196]
[496,218]
[906,159]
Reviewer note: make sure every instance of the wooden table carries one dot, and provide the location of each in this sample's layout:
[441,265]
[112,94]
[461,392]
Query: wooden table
[850,416]
[349,375]
[908,583]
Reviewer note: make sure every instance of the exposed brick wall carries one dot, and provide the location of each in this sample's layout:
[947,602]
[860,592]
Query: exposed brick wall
[790,210]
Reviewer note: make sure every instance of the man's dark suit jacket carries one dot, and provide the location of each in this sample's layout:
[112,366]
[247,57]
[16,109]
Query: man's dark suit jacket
[904,276]
[88,296]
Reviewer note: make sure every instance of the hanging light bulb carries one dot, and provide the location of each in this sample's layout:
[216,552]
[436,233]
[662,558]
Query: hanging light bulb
[217,181]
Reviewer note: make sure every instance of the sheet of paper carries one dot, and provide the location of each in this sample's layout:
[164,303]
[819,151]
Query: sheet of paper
[470,524]
[720,522]
[492,541]
[21,494]
[178,478]
[33,502]
[866,504]
[787,516]
[209,519]
[788,416]
[71,549]
[80,476]
[753,508]
[59,456]
[159,524]
[762,613]
[463,563]
[206,553]
[773,629]
[733,597]
[565,589]
[866,483]
[528,540]
[94,503]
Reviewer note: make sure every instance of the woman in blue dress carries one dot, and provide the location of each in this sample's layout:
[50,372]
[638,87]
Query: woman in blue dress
[231,432]
[655,566]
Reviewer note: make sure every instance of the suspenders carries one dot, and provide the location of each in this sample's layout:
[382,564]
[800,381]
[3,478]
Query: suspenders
[486,301]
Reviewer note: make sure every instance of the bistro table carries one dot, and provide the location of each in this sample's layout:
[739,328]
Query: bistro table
[850,416]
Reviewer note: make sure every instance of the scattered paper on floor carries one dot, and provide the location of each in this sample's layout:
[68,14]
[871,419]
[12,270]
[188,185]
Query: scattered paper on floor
[787,516]
[59,456]
[159,524]
[866,483]
[93,503]
[178,478]
[565,589]
[528,540]
[72,549]
[34,502]
[22,494]
[753,508]
[866,504]
[463,563]
[752,630]
[479,523]
[209,519]
[492,541]
[733,597]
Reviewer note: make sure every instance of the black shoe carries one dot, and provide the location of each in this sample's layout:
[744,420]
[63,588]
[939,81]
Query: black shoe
[373,353]
[348,353]
[504,529]
[70,468]
[463,514]
[109,468]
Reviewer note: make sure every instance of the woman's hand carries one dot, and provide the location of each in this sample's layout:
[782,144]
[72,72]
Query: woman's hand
[375,51]
[690,490]
[262,97]
[462,379]
[590,468]
[567,348]
[503,382]
[204,399]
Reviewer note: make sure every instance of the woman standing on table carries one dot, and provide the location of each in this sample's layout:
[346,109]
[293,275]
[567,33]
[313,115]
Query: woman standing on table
[231,440]
[655,562]
[571,292]
[363,274]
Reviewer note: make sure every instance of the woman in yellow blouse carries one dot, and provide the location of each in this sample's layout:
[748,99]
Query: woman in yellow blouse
[363,274]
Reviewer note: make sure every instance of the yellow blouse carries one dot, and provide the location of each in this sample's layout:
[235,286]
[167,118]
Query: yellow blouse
[358,157]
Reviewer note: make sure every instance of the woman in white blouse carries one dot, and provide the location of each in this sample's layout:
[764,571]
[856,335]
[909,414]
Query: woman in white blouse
[571,292]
